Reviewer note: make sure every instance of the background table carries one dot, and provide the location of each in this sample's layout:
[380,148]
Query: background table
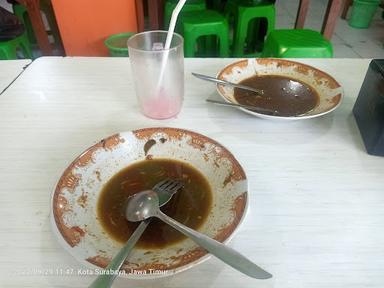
[316,215]
[9,70]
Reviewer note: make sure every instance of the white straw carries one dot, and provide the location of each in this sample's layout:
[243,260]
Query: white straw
[172,24]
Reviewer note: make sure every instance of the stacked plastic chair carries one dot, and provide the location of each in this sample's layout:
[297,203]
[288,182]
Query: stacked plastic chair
[205,31]
[248,18]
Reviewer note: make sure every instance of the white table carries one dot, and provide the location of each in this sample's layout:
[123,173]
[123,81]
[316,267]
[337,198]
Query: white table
[9,70]
[316,214]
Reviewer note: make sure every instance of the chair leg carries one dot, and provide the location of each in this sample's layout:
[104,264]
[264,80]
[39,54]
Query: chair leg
[224,41]
[24,44]
[347,4]
[210,45]
[330,19]
[46,7]
[224,46]
[231,14]
[140,15]
[301,14]
[34,14]
[189,45]
[239,39]
[153,14]
[252,32]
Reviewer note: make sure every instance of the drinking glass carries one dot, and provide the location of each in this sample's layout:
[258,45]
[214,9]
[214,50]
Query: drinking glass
[158,73]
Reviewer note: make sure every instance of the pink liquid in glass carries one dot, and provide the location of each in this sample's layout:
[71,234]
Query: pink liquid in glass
[162,106]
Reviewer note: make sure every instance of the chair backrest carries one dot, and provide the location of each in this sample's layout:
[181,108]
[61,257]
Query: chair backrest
[330,18]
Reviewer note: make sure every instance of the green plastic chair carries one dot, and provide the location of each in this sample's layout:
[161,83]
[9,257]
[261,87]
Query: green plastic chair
[246,15]
[8,48]
[208,25]
[189,6]
[297,43]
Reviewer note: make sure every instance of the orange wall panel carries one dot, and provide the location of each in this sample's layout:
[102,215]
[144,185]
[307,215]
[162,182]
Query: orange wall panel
[85,24]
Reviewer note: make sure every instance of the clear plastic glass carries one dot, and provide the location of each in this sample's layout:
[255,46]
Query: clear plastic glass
[158,74]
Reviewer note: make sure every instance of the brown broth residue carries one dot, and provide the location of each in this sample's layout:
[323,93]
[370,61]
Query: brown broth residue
[286,96]
[190,205]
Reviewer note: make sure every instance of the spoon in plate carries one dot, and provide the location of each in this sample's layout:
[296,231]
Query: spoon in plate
[227,83]
[164,191]
[144,205]
[249,107]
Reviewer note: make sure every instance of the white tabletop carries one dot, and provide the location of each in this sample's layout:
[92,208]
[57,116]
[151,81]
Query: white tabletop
[316,214]
[9,70]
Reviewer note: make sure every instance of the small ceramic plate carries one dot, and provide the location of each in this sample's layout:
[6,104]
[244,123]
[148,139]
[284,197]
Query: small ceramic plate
[328,89]
[74,201]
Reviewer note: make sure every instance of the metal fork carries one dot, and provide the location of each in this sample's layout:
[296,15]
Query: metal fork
[165,190]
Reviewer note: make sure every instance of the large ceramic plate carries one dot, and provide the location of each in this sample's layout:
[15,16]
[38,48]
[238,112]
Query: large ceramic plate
[74,200]
[329,90]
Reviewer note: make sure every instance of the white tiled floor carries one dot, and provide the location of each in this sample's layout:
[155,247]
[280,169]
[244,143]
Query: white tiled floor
[347,42]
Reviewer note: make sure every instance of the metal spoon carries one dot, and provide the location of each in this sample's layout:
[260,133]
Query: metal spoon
[249,107]
[146,204]
[165,190]
[224,82]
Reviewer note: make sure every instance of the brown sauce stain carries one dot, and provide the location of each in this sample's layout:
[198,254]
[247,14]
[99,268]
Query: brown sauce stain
[178,134]
[97,172]
[111,142]
[82,200]
[241,64]
[147,267]
[279,62]
[237,172]
[73,234]
[197,143]
[172,133]
[190,205]
[177,261]
[238,210]
[108,144]
[286,96]
[99,261]
[336,99]
[62,204]
[302,69]
[191,256]
[188,257]
[68,181]
[227,180]
[148,145]
[86,157]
